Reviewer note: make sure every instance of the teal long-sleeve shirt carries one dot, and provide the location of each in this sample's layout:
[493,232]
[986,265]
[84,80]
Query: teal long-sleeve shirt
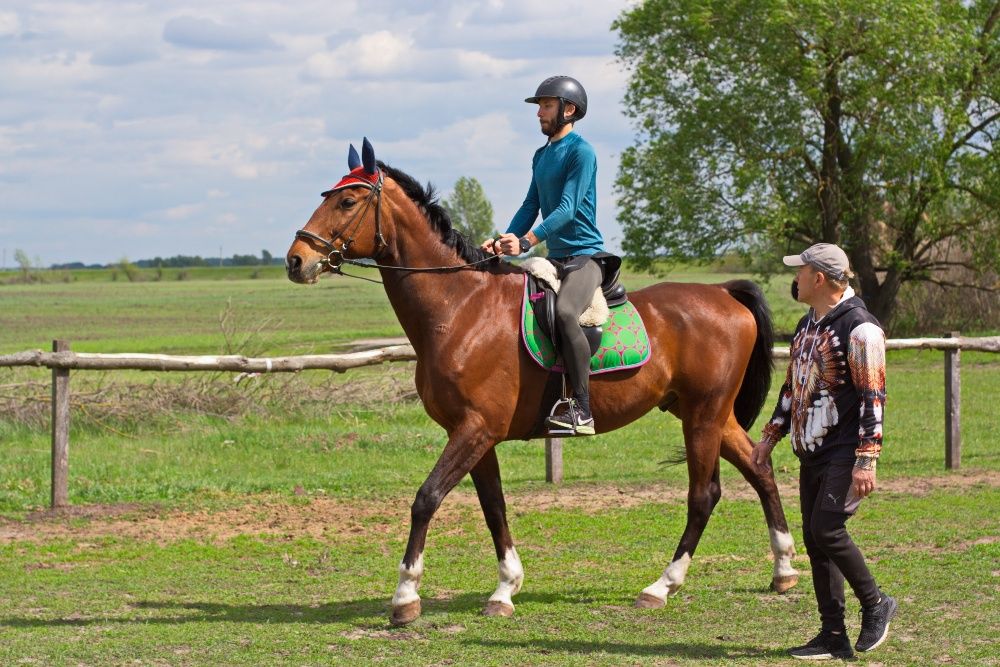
[564,188]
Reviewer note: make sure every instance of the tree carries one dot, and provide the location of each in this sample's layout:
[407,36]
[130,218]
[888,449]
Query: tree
[470,211]
[24,264]
[767,125]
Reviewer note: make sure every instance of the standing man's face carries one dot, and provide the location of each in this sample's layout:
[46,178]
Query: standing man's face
[808,279]
[548,110]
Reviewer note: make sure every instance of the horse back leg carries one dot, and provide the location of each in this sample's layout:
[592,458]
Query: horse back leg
[466,446]
[702,443]
[736,448]
[486,476]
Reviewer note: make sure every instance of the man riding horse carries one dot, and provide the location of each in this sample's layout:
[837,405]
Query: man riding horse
[564,188]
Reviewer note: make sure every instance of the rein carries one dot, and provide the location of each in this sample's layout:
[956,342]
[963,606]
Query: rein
[335,259]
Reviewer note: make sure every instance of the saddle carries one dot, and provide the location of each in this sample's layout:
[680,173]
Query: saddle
[543,285]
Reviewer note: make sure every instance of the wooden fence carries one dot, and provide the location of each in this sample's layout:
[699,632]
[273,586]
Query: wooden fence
[62,360]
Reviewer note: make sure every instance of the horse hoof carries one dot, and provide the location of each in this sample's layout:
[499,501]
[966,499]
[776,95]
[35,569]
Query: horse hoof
[647,601]
[497,608]
[784,584]
[405,613]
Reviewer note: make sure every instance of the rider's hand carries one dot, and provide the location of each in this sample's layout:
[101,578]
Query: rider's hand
[760,457]
[509,244]
[505,244]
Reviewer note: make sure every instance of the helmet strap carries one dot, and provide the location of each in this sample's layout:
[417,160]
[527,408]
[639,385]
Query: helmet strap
[561,120]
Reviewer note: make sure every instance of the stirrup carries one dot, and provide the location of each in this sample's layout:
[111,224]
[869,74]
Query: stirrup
[559,430]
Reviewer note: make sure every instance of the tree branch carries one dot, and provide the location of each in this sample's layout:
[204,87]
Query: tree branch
[973,132]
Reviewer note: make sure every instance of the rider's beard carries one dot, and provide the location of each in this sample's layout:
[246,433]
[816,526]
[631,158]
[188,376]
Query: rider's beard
[548,127]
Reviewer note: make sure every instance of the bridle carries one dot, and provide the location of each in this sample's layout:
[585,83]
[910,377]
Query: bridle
[335,258]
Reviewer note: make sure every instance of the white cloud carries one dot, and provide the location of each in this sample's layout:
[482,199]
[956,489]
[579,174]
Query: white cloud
[162,123]
[10,24]
[182,212]
[375,54]
[194,32]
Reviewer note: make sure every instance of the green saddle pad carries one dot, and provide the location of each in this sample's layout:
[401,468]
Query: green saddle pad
[625,343]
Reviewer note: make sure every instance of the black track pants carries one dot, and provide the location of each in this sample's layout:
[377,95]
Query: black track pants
[824,492]
[575,294]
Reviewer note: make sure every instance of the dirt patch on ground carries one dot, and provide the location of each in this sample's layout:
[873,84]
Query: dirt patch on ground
[333,518]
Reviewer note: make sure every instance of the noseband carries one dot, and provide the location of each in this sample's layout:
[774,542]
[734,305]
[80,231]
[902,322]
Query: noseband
[335,258]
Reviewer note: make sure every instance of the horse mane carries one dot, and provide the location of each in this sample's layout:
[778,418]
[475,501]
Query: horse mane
[426,198]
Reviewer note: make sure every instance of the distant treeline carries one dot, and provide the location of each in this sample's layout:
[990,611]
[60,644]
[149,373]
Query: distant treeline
[185,261]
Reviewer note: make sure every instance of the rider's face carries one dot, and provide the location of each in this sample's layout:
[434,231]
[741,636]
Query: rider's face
[548,110]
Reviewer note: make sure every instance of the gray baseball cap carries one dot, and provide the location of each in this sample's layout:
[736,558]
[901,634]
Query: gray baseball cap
[826,257]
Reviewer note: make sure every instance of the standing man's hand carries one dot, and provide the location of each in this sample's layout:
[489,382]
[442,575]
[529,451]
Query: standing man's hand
[863,481]
[760,457]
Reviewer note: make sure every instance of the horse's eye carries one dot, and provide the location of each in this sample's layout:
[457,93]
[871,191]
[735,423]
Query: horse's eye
[347,202]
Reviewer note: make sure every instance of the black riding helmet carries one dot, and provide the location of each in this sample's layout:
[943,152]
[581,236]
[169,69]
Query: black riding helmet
[565,89]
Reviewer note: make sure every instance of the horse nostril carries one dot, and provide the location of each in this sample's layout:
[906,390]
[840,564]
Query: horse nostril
[294,264]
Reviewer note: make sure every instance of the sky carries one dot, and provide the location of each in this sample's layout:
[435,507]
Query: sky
[143,129]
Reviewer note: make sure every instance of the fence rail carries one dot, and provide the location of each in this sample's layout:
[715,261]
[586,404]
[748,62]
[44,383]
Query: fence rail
[343,362]
[62,360]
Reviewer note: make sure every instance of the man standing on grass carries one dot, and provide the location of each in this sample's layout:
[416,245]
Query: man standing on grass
[831,403]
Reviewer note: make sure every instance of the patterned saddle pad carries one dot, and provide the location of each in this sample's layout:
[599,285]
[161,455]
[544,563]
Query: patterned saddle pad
[624,343]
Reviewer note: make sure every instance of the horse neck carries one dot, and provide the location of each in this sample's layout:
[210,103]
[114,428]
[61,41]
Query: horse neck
[427,302]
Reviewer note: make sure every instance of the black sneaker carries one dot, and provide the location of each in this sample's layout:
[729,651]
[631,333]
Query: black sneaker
[570,417]
[875,623]
[824,646]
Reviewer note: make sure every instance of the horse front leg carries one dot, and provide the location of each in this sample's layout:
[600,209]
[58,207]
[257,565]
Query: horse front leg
[486,476]
[704,491]
[736,448]
[466,445]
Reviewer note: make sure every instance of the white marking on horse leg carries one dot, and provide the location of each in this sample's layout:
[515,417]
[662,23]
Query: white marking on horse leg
[409,582]
[511,577]
[672,579]
[783,548]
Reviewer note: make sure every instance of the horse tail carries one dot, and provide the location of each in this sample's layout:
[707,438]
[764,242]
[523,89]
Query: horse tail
[757,378]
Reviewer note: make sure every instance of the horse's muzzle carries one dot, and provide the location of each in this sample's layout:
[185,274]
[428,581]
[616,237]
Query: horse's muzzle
[297,272]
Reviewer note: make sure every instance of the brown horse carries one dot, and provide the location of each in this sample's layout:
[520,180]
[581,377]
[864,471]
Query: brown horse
[711,367]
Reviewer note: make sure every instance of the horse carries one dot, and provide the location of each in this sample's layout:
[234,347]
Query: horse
[710,366]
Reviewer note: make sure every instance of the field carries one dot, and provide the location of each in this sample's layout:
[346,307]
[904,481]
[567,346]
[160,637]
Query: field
[261,522]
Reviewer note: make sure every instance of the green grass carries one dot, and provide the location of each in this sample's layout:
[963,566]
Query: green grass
[92,599]
[184,317]
[353,450]
[298,601]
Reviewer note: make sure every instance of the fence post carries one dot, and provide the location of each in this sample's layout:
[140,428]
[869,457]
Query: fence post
[952,406]
[553,460]
[60,430]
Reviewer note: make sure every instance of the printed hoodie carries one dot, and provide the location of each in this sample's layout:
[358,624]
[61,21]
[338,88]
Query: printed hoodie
[834,390]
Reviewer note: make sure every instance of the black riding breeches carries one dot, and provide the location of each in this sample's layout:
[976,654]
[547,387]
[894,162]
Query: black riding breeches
[575,295]
[833,556]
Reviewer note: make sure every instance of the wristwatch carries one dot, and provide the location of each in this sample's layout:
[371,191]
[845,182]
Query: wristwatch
[525,244]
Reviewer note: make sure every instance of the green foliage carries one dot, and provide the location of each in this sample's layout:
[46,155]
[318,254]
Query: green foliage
[130,270]
[25,266]
[470,211]
[768,125]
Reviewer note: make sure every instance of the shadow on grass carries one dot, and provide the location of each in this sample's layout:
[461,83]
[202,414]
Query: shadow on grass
[349,611]
[693,650]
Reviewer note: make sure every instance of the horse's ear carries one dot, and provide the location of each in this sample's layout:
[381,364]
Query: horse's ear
[353,159]
[368,156]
